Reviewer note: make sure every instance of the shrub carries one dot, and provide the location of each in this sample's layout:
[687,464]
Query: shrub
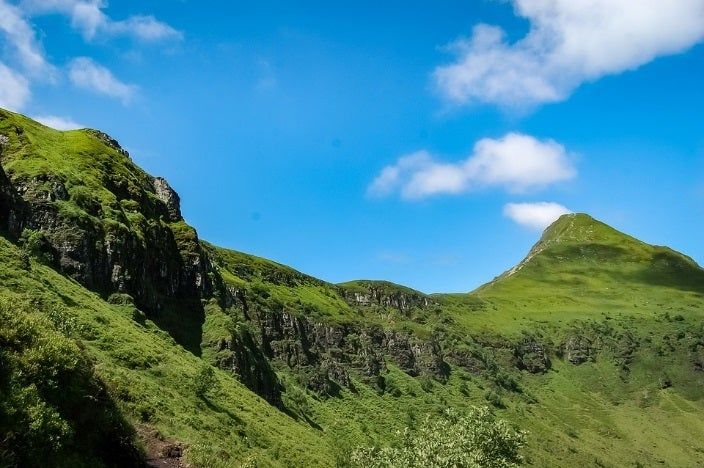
[296,400]
[475,439]
[494,398]
[85,199]
[205,381]
[52,405]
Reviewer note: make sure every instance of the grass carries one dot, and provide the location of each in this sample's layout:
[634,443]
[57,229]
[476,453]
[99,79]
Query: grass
[638,399]
[151,378]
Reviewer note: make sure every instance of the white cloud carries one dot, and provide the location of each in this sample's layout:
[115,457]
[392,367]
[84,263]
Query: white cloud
[535,215]
[569,42]
[515,162]
[87,74]
[14,89]
[145,28]
[58,123]
[22,40]
[88,17]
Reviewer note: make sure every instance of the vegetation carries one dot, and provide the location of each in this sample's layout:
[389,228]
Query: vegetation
[593,345]
[472,440]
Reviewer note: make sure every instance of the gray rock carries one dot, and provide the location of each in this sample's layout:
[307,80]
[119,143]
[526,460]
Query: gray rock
[169,197]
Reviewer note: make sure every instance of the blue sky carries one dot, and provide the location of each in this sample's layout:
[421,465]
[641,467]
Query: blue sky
[425,143]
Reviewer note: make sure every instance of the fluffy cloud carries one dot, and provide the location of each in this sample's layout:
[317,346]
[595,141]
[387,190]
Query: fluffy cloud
[535,215]
[88,17]
[87,74]
[569,42]
[20,36]
[14,89]
[58,123]
[24,61]
[515,162]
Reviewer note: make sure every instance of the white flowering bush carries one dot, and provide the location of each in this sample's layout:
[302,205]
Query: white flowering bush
[475,439]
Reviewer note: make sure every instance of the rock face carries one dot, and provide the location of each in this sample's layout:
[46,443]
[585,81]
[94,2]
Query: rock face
[108,140]
[249,364]
[324,354]
[371,293]
[531,355]
[129,247]
[12,208]
[578,349]
[169,197]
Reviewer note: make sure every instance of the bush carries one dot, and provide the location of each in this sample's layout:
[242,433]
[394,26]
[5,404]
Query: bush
[85,199]
[52,405]
[296,400]
[475,439]
[205,381]
[494,398]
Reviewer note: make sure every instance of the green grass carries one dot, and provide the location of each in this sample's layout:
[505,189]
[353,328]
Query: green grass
[151,378]
[638,400]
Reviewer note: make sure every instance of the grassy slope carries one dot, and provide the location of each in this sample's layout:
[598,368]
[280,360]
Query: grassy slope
[583,274]
[152,378]
[582,268]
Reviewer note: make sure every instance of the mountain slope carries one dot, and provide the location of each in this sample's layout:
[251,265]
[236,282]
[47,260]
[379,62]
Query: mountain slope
[594,343]
[582,268]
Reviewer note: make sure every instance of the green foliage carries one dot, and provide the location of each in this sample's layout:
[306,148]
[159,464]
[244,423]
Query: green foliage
[205,382]
[35,245]
[53,409]
[474,439]
[296,400]
[494,398]
[636,308]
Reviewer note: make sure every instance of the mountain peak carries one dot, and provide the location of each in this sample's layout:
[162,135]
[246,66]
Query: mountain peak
[581,227]
[580,246]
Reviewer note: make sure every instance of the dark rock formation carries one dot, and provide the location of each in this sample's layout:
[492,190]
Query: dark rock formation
[164,269]
[531,355]
[468,359]
[108,140]
[324,354]
[12,207]
[248,363]
[578,349]
[169,197]
[370,293]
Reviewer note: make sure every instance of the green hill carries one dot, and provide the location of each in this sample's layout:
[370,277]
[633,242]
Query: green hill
[193,354]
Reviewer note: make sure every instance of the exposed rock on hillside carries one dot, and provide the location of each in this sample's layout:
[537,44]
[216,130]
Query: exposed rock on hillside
[112,238]
[578,349]
[108,140]
[12,207]
[384,294]
[169,197]
[324,353]
[531,355]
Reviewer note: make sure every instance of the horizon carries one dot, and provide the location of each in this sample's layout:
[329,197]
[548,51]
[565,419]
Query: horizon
[357,143]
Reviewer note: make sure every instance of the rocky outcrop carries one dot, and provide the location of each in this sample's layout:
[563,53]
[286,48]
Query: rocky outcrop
[161,265]
[578,349]
[371,293]
[169,197]
[245,359]
[108,140]
[324,354]
[531,355]
[12,207]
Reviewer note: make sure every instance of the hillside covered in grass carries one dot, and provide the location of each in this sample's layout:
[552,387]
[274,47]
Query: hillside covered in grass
[195,355]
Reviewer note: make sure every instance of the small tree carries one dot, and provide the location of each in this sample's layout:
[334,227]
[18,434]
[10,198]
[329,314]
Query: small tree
[472,440]
[296,400]
[205,381]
